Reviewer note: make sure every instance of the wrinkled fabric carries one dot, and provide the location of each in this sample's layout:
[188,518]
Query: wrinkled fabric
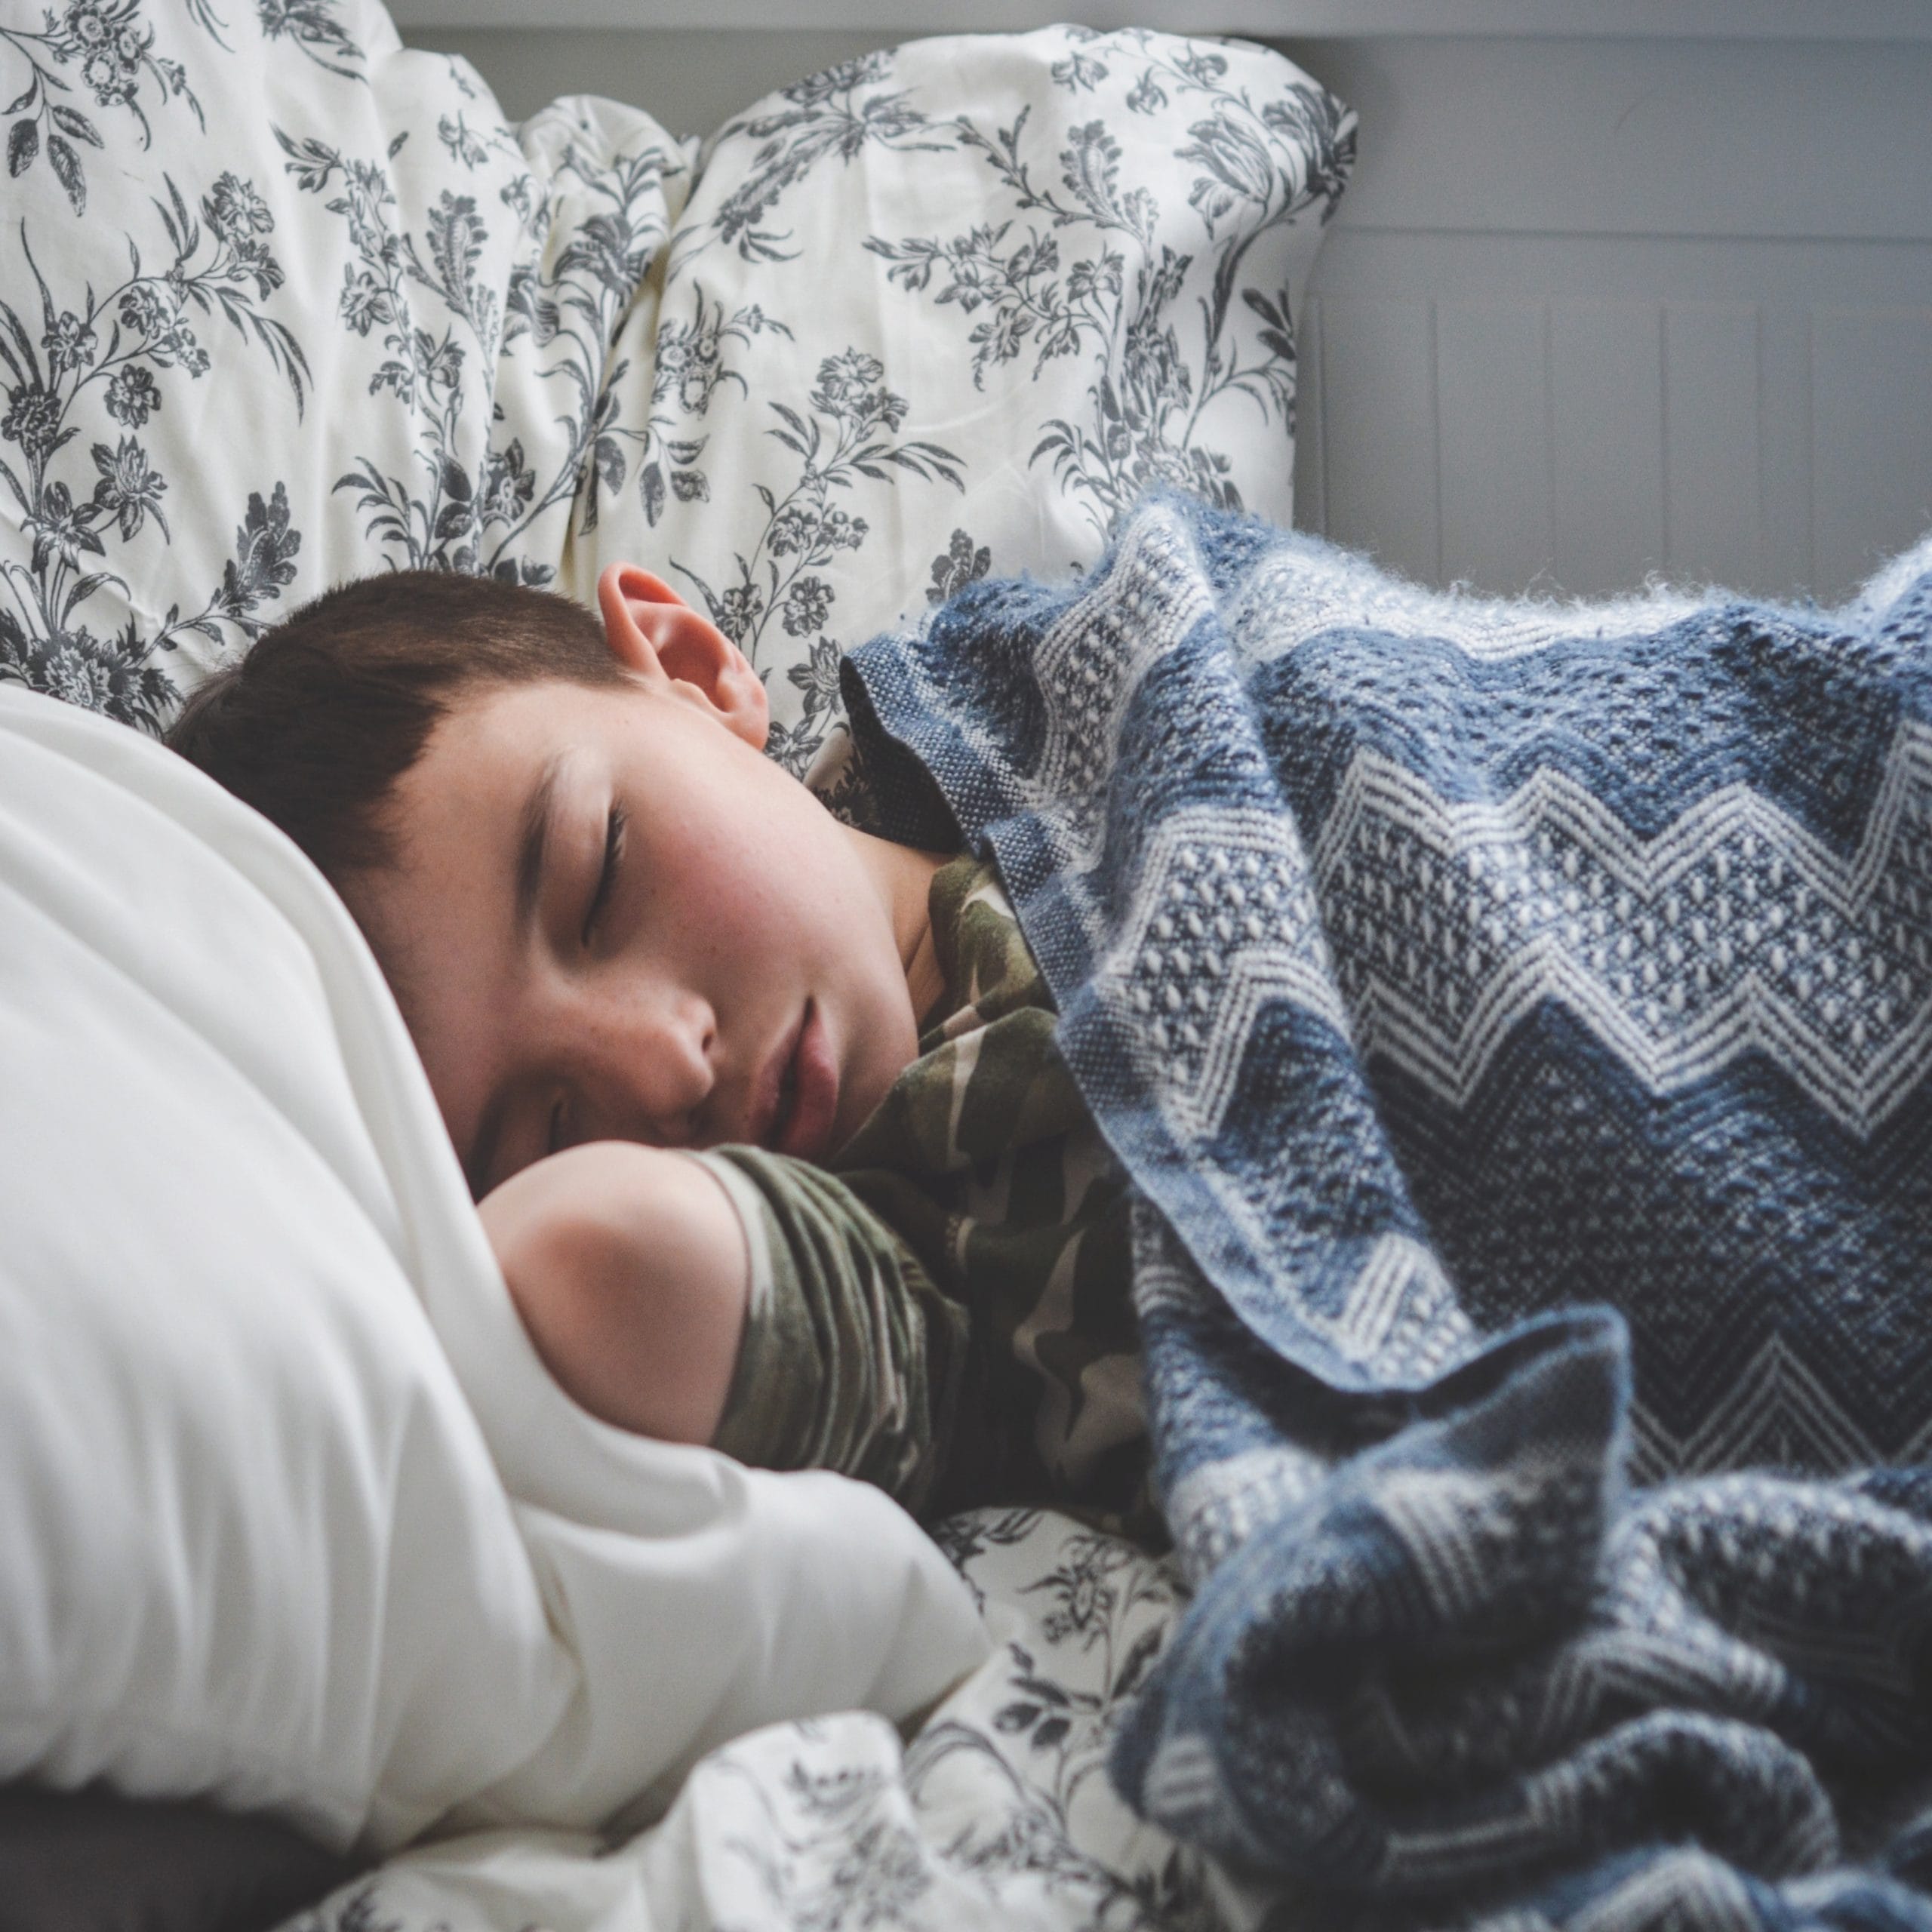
[1515,1020]
[948,1313]
[295,1518]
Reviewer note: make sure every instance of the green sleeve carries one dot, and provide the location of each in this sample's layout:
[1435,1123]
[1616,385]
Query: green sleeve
[852,1359]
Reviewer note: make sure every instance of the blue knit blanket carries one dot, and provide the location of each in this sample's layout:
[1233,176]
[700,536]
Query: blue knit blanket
[1517,1022]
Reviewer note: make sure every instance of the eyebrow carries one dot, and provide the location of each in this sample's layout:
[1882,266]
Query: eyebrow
[532,842]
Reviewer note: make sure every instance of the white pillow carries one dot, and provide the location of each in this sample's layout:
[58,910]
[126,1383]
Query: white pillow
[949,310]
[291,1515]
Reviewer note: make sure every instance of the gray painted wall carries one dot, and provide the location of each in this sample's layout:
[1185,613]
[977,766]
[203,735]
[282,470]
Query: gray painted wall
[1593,309]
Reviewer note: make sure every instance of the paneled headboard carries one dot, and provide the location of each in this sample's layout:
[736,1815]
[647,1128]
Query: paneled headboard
[1622,287]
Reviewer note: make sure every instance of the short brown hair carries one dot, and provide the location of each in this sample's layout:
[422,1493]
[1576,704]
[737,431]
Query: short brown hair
[315,726]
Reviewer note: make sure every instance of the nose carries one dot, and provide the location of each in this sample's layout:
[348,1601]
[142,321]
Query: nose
[643,1060]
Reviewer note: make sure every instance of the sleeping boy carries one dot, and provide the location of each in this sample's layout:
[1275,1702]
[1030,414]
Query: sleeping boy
[763,1113]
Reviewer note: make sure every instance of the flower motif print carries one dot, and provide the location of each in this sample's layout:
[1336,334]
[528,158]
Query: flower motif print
[33,419]
[61,531]
[1241,168]
[852,388]
[108,351]
[807,605]
[130,489]
[1086,275]
[234,211]
[70,344]
[103,47]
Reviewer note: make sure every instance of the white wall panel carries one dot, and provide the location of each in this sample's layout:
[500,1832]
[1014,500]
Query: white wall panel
[1606,441]
[1713,493]
[1872,439]
[1493,437]
[1311,493]
[1721,138]
[1374,380]
[1728,249]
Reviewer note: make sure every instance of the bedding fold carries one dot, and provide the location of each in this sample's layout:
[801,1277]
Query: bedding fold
[295,1518]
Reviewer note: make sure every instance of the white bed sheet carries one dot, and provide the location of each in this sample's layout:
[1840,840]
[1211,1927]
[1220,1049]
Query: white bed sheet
[996,1813]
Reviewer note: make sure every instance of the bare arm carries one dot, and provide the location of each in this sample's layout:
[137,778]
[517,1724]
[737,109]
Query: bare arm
[629,1268]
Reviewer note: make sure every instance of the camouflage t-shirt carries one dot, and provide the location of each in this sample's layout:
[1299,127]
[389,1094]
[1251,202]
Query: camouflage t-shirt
[945,1311]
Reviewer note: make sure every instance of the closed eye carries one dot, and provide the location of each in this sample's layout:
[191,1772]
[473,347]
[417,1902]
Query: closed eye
[606,878]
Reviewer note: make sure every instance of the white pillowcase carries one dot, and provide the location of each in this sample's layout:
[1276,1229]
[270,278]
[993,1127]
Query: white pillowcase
[291,1513]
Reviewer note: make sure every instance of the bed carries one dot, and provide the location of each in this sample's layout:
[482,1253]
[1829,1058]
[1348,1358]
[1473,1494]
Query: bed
[286,301]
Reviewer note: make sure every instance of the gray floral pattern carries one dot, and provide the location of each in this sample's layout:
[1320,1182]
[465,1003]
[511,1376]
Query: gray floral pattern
[104,49]
[1256,167]
[1112,307]
[108,352]
[533,365]
[460,323]
[842,113]
[998,1811]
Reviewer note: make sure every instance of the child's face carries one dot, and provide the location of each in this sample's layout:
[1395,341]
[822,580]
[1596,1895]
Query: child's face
[614,918]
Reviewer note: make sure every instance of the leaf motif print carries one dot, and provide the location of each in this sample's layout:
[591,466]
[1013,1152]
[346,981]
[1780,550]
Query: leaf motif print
[265,547]
[958,566]
[66,165]
[1090,168]
[313,27]
[109,349]
[1114,281]
[424,373]
[456,238]
[690,366]
[465,146]
[849,432]
[455,516]
[838,114]
[110,50]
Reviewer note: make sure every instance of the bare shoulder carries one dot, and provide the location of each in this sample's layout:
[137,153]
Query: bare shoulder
[587,1200]
[629,1266]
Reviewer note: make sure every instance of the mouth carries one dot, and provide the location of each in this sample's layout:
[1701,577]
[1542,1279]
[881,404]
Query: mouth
[806,1098]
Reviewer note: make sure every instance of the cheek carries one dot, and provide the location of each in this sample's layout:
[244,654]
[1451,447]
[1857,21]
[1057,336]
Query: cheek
[736,901]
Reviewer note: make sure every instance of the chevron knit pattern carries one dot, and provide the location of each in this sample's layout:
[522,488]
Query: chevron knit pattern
[1517,1022]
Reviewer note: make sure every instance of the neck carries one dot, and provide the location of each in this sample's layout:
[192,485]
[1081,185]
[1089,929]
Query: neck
[904,878]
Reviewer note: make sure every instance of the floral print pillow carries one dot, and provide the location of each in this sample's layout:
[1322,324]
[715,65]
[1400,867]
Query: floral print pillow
[282,302]
[949,310]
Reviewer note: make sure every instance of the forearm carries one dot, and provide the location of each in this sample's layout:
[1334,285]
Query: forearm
[631,1273]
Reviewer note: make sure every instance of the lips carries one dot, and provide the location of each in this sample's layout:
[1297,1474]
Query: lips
[804,1092]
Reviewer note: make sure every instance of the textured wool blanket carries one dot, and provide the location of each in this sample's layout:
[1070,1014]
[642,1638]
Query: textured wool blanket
[1517,1021]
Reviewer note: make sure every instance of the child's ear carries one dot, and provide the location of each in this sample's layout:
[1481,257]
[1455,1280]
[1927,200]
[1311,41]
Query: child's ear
[653,632]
